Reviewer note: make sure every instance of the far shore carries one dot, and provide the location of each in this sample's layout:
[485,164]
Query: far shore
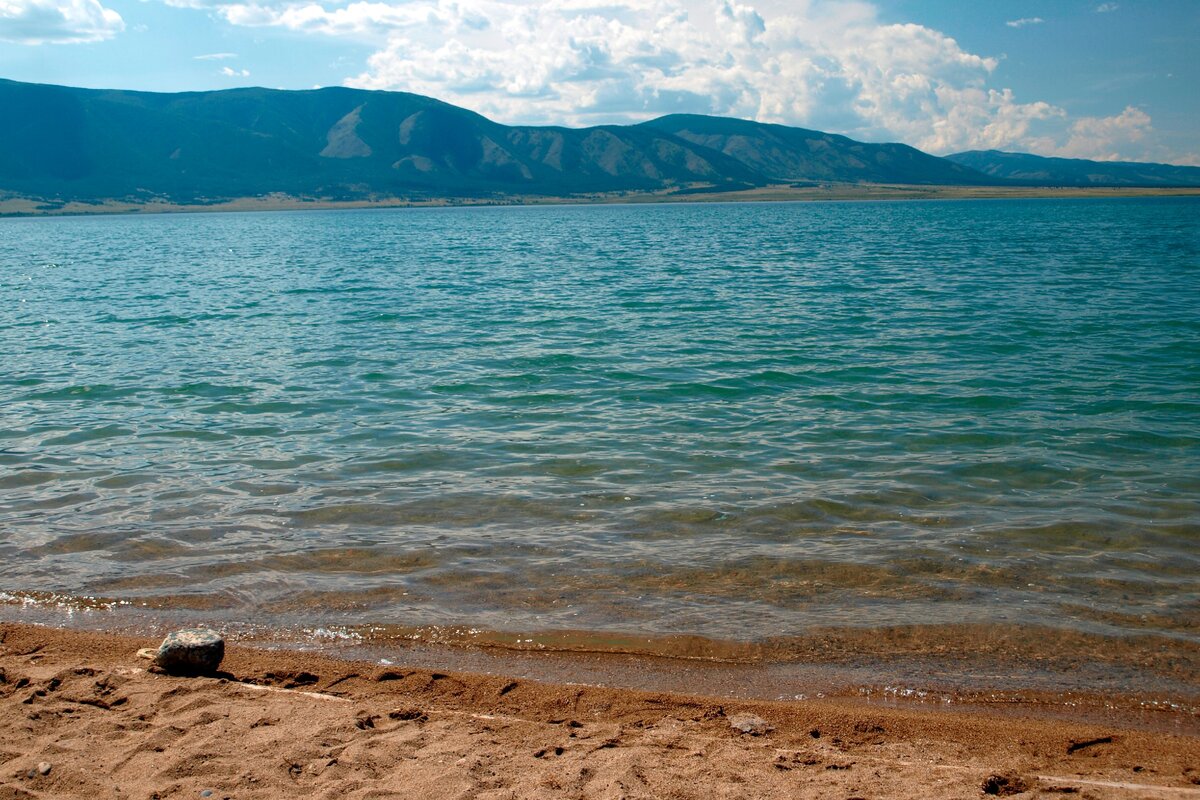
[80,717]
[11,206]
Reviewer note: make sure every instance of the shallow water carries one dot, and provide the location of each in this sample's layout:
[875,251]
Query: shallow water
[739,422]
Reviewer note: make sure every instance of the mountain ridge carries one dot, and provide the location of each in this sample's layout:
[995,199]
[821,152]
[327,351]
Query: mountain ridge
[1032,170]
[338,143]
[787,153]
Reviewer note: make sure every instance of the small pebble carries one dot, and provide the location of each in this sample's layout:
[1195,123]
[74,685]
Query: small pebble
[207,793]
[44,768]
[748,723]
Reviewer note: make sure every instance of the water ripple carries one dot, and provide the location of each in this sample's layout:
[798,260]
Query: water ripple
[736,421]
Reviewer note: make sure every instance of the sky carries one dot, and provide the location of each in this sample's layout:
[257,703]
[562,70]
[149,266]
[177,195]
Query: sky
[1076,78]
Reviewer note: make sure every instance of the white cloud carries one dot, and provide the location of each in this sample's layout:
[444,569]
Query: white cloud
[196,3]
[1127,136]
[34,22]
[215,56]
[826,64]
[1104,8]
[1103,138]
[1100,137]
[229,72]
[812,62]
[1023,21]
[833,66]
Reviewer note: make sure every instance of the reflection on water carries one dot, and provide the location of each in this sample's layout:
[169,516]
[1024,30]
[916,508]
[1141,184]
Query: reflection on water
[731,422]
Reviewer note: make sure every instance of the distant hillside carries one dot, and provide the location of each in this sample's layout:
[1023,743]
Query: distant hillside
[781,153]
[337,143]
[1032,170]
[61,143]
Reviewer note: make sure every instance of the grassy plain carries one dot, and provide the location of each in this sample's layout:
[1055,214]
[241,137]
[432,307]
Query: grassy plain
[12,206]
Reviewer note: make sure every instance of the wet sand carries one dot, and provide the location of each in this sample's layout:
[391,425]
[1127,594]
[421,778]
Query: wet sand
[81,706]
[1149,681]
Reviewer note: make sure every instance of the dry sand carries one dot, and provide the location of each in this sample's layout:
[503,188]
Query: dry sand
[287,724]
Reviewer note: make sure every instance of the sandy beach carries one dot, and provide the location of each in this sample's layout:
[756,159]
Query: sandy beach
[83,718]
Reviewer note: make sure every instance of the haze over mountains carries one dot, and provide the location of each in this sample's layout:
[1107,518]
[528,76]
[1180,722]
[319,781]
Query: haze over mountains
[61,143]
[1022,168]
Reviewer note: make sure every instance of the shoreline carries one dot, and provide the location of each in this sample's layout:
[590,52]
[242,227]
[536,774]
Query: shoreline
[1147,681]
[289,723]
[24,207]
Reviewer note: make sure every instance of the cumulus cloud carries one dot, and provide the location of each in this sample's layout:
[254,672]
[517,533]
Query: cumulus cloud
[230,72]
[580,61]
[829,64]
[1104,8]
[1023,21]
[1103,138]
[819,64]
[34,22]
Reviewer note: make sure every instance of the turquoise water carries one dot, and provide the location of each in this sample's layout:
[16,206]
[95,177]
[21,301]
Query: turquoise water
[737,421]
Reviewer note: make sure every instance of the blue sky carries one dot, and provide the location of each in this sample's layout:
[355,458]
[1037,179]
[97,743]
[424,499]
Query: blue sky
[1095,79]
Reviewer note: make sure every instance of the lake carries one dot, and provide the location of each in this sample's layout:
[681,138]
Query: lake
[740,423]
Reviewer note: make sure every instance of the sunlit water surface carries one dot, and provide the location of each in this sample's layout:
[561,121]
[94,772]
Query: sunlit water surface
[739,422]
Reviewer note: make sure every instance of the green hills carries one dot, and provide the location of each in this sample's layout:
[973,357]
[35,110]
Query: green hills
[782,153]
[1029,170]
[61,144]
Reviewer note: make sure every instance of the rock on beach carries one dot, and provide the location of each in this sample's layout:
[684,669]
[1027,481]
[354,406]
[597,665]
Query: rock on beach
[192,651]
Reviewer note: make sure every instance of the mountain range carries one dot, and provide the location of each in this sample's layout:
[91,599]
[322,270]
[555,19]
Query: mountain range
[1030,170]
[62,143]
